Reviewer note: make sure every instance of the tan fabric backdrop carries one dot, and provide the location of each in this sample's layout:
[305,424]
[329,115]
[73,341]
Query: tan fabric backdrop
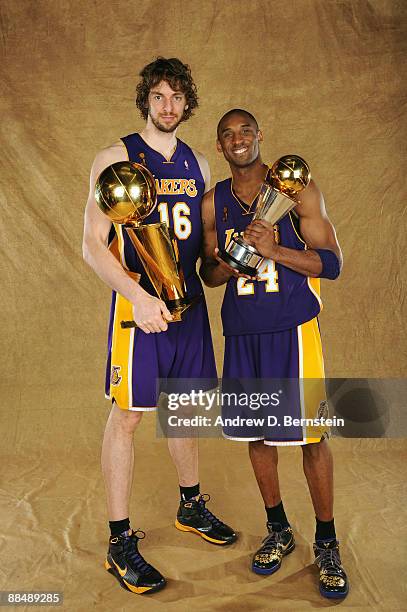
[326,79]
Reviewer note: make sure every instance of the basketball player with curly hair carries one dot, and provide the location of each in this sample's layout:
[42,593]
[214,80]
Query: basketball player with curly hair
[137,358]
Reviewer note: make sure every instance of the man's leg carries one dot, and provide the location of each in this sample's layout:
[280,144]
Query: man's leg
[318,469]
[264,460]
[184,453]
[196,364]
[280,539]
[118,459]
[124,560]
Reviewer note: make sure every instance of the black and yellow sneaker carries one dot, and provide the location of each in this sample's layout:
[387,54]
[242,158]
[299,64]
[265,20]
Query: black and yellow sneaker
[333,581]
[194,516]
[129,567]
[278,543]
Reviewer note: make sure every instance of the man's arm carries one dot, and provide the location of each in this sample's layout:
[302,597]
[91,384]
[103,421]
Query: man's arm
[148,310]
[213,270]
[316,230]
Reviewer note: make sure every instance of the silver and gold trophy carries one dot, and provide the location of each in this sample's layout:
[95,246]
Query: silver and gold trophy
[125,192]
[289,175]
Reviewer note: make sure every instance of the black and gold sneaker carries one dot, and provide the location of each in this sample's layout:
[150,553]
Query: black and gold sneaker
[129,567]
[333,581]
[278,543]
[194,516]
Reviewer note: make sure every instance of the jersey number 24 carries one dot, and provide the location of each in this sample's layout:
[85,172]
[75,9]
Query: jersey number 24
[267,274]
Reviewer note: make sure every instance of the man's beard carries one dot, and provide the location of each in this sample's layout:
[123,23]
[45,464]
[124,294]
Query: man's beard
[165,128]
[162,127]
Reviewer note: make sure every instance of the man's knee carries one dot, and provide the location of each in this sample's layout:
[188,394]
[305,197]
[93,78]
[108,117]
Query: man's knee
[256,443]
[315,449]
[126,420]
[258,446]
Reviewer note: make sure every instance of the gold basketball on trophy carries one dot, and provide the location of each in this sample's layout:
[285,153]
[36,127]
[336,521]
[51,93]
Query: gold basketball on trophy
[290,174]
[125,192]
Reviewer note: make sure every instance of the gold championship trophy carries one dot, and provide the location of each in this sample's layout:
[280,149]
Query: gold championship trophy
[289,176]
[125,192]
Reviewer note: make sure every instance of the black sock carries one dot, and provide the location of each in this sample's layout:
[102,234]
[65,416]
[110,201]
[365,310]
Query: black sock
[117,527]
[325,530]
[276,514]
[189,492]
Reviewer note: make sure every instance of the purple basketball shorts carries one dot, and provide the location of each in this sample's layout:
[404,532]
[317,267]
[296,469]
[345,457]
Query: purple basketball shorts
[137,361]
[274,388]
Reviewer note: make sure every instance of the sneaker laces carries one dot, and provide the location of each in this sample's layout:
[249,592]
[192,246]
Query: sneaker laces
[132,551]
[272,540]
[329,560]
[203,510]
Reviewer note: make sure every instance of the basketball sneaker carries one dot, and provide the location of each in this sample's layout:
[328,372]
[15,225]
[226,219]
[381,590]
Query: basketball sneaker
[130,568]
[333,581]
[194,516]
[278,543]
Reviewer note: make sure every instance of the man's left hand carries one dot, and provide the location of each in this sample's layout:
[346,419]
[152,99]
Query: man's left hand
[261,234]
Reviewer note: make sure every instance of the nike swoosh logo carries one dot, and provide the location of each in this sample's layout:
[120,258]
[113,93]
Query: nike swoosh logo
[204,529]
[285,546]
[121,572]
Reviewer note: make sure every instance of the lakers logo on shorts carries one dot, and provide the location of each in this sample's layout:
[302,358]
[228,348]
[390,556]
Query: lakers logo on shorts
[323,412]
[115,378]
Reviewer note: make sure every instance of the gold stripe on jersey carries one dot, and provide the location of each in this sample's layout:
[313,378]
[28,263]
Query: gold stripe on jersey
[312,380]
[315,286]
[122,354]
[300,238]
[313,283]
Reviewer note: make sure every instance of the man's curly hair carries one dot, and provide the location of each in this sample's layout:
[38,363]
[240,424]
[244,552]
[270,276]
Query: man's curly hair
[176,74]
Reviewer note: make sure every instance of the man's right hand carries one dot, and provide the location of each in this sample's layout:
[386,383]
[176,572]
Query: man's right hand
[151,314]
[228,269]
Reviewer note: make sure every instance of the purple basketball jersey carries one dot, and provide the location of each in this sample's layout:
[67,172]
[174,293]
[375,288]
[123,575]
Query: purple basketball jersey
[180,188]
[280,299]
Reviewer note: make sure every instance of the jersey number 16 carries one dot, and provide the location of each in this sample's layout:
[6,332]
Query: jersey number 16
[181,222]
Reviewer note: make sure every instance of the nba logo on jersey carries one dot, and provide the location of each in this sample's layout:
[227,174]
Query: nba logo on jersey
[186,164]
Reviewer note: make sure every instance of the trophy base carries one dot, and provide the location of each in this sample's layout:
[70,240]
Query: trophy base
[237,265]
[176,307]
